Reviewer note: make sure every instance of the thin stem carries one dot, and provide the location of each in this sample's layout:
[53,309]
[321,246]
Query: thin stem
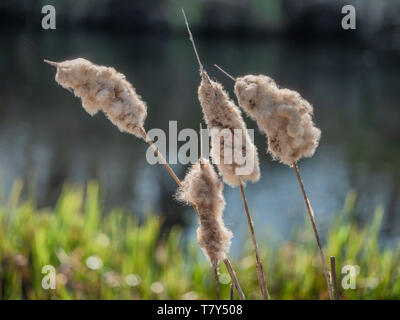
[234,279]
[52,63]
[311,215]
[179,183]
[191,40]
[334,280]
[224,72]
[160,156]
[259,266]
[215,268]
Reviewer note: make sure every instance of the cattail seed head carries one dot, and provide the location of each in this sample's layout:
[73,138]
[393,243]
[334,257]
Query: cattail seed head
[283,115]
[221,114]
[103,88]
[203,189]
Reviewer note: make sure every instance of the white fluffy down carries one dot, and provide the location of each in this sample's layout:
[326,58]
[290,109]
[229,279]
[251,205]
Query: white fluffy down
[103,88]
[284,116]
[203,189]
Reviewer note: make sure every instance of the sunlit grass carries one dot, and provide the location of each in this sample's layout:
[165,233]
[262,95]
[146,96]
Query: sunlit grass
[111,255]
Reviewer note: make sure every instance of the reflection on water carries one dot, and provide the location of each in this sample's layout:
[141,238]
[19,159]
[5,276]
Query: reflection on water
[47,138]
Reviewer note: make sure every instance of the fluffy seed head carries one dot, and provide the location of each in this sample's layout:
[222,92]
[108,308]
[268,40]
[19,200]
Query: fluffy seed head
[284,116]
[103,88]
[223,116]
[203,189]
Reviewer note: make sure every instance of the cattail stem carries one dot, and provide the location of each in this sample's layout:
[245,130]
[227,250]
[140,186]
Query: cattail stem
[333,274]
[179,183]
[224,72]
[215,268]
[192,41]
[160,156]
[311,215]
[234,279]
[52,63]
[259,266]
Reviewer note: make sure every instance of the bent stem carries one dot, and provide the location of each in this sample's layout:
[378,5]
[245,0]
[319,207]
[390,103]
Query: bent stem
[234,279]
[311,215]
[179,183]
[259,266]
[160,156]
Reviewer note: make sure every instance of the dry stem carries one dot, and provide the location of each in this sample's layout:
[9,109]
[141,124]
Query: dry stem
[160,156]
[333,274]
[311,215]
[234,279]
[224,72]
[192,41]
[259,266]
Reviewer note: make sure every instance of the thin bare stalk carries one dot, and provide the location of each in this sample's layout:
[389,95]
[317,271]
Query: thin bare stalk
[52,63]
[160,156]
[234,279]
[334,279]
[179,183]
[224,72]
[215,268]
[192,41]
[311,215]
[259,266]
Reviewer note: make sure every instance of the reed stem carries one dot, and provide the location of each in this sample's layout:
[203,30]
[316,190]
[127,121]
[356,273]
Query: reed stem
[162,159]
[179,183]
[192,41]
[52,63]
[224,72]
[334,279]
[234,279]
[311,215]
[259,266]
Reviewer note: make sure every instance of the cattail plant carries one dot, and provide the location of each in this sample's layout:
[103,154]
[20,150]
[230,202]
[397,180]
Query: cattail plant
[103,88]
[223,116]
[203,189]
[286,119]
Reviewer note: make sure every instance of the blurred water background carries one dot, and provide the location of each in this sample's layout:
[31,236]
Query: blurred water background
[351,78]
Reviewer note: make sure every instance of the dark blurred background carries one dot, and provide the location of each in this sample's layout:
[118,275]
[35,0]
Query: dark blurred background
[350,76]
